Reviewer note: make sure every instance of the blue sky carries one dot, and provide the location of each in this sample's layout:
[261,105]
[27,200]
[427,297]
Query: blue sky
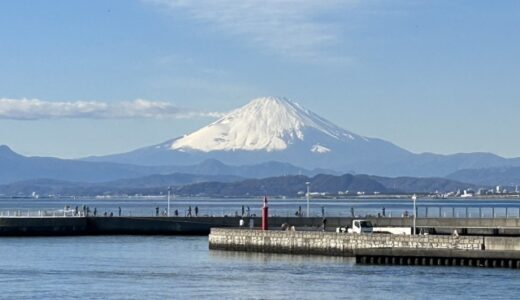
[81,78]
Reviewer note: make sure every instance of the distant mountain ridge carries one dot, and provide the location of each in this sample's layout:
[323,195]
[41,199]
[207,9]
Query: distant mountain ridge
[232,186]
[155,184]
[278,129]
[15,167]
[509,176]
[283,186]
[291,185]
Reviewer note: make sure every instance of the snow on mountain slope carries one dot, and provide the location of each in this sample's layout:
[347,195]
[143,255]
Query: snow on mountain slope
[319,149]
[268,124]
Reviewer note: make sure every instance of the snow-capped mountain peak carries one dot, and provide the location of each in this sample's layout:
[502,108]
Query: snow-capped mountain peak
[273,129]
[268,124]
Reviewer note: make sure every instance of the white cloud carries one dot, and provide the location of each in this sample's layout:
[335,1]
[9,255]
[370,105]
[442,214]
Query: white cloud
[291,28]
[34,109]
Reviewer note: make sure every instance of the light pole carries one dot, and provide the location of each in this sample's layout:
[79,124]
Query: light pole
[308,197]
[169,190]
[414,198]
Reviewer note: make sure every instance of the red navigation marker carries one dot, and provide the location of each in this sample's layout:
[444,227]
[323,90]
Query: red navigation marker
[265,215]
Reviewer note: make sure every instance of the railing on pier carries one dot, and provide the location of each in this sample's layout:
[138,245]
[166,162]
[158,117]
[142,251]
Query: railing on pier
[19,213]
[423,211]
[468,212]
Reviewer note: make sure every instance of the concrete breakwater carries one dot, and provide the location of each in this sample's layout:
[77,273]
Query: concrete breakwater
[41,226]
[201,225]
[375,248]
[36,226]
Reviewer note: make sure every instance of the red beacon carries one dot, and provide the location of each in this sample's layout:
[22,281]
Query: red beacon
[265,215]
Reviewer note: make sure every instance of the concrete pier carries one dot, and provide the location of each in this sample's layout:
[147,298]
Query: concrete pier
[55,226]
[16,225]
[376,248]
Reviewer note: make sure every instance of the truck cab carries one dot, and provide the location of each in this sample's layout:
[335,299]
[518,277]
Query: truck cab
[361,226]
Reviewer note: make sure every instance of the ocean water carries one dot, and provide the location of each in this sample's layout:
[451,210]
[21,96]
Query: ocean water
[176,267]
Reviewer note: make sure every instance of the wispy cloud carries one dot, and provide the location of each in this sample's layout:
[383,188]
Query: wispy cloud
[34,109]
[291,28]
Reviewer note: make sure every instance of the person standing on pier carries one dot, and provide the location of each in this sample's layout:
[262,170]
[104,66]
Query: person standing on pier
[243,210]
[196,211]
[324,223]
[189,211]
[119,208]
[157,211]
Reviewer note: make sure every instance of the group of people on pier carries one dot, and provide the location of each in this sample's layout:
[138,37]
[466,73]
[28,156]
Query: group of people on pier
[176,212]
[87,212]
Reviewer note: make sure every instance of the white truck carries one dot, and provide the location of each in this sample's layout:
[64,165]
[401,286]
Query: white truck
[365,226]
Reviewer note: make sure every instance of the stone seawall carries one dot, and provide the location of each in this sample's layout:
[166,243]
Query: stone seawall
[329,243]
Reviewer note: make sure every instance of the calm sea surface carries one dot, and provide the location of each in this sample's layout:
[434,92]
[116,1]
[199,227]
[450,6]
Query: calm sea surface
[138,267]
[172,267]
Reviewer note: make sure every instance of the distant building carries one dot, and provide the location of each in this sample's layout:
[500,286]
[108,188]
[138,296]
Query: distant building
[466,194]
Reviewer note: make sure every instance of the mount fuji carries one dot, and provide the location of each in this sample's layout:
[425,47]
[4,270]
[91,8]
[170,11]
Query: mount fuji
[278,129]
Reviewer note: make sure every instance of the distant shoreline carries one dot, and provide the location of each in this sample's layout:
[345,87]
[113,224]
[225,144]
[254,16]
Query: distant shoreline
[421,197]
